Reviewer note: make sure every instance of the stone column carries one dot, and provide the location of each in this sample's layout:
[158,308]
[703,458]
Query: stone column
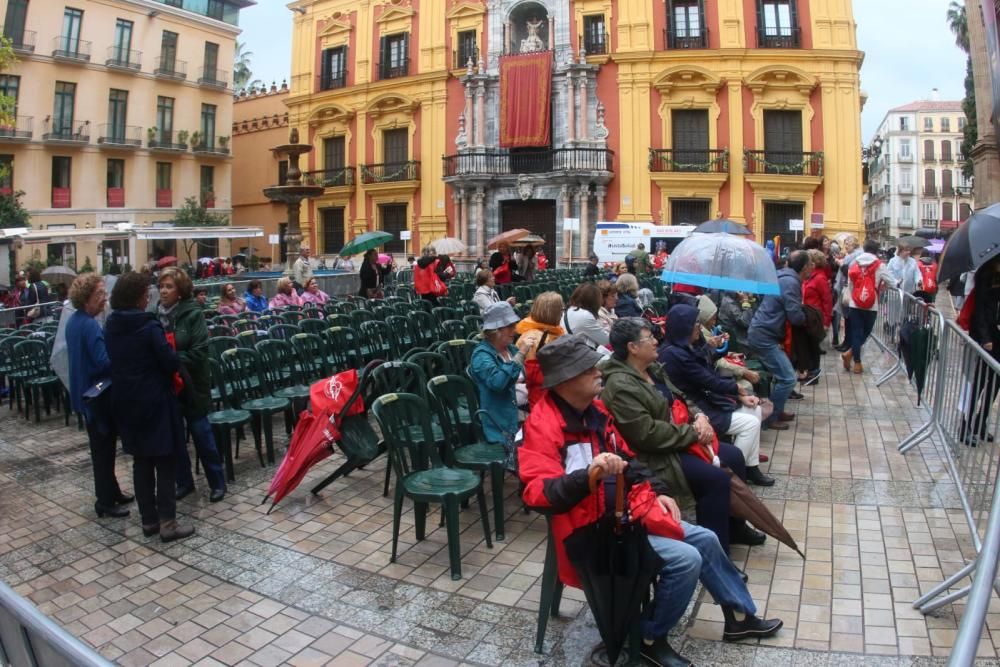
[470,128]
[480,112]
[508,36]
[584,222]
[601,192]
[582,134]
[570,108]
[465,217]
[552,33]
[480,199]
[456,197]
[567,213]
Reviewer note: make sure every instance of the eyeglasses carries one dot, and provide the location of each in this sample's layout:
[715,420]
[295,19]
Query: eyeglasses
[645,339]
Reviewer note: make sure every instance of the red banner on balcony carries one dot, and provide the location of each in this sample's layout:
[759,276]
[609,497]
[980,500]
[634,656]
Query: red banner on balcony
[525,98]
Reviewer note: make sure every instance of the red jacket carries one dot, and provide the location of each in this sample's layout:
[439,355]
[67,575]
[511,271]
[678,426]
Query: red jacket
[816,292]
[556,437]
[424,276]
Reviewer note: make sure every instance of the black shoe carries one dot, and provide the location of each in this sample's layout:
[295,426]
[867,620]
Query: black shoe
[774,425]
[750,627]
[124,499]
[743,575]
[183,492]
[812,378]
[795,396]
[151,529]
[756,477]
[747,535]
[660,654]
[216,495]
[110,510]
[843,347]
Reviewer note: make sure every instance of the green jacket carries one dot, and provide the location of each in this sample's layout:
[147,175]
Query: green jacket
[191,332]
[643,416]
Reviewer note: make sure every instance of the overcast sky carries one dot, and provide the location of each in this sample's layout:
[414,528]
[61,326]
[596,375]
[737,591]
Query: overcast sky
[908,51]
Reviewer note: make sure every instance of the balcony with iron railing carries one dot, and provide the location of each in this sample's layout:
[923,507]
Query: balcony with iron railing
[900,157]
[213,77]
[20,130]
[778,38]
[498,162]
[23,42]
[946,159]
[947,191]
[390,172]
[332,82]
[595,45]
[689,161]
[930,191]
[67,132]
[170,68]
[905,188]
[113,135]
[71,50]
[929,157]
[462,57]
[330,178]
[788,163]
[160,140]
[392,70]
[685,39]
[217,148]
[121,58]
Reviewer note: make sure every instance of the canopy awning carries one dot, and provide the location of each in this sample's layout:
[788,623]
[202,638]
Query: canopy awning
[64,235]
[179,233]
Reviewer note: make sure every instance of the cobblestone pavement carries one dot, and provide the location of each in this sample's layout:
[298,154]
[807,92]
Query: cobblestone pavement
[311,583]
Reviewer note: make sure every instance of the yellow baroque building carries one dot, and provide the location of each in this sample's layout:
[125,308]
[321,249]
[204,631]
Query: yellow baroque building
[669,111]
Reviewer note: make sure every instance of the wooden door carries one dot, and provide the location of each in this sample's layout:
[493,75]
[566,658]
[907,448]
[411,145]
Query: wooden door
[783,137]
[536,215]
[689,130]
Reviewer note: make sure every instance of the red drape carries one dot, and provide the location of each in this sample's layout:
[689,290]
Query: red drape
[525,96]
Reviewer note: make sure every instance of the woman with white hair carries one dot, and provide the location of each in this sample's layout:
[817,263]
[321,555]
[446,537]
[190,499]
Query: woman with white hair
[628,291]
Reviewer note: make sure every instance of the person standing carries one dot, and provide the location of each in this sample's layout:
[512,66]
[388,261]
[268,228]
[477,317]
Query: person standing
[503,266]
[371,276]
[767,333]
[592,270]
[182,317]
[36,293]
[928,275]
[904,269]
[143,366]
[90,373]
[984,328]
[302,269]
[865,277]
[640,260]
[426,282]
[851,249]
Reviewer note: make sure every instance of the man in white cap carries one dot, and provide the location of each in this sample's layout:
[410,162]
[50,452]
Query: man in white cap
[570,434]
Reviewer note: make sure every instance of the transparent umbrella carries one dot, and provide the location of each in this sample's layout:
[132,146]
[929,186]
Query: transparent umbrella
[723,262]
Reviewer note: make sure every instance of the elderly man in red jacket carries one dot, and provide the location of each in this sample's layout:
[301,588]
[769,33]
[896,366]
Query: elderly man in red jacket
[568,434]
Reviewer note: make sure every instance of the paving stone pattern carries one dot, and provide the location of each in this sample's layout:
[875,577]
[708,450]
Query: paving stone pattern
[311,583]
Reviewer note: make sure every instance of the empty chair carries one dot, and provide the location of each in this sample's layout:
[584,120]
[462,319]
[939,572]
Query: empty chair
[292,316]
[421,476]
[241,370]
[431,363]
[313,326]
[400,327]
[219,344]
[225,420]
[473,324]
[358,317]
[310,351]
[422,327]
[376,341]
[216,330]
[239,326]
[458,352]
[452,329]
[283,331]
[342,349]
[280,372]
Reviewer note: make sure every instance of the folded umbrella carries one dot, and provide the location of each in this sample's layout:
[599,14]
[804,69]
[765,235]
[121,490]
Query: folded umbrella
[365,242]
[724,262]
[743,504]
[974,243]
[508,236]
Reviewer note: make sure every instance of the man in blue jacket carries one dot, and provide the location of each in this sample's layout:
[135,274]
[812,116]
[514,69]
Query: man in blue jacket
[766,336]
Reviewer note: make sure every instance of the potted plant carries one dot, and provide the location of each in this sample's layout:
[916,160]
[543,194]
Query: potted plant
[151,135]
[196,140]
[182,137]
[224,142]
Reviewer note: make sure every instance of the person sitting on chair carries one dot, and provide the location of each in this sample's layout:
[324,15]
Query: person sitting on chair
[570,435]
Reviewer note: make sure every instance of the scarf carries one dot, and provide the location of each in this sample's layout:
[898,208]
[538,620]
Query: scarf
[166,315]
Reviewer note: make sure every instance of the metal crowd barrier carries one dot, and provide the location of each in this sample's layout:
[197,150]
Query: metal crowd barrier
[886,331]
[337,284]
[29,638]
[10,317]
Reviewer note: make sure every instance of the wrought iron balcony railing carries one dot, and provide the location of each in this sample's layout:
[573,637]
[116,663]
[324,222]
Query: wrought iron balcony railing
[696,161]
[595,45]
[19,130]
[394,70]
[330,178]
[390,172]
[498,162]
[332,82]
[213,77]
[170,68]
[73,50]
[930,191]
[121,58]
[67,131]
[783,162]
[119,136]
[160,140]
[23,41]
[462,57]
[769,37]
[214,148]
[685,39]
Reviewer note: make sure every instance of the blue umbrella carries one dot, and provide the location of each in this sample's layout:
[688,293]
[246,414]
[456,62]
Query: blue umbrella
[722,262]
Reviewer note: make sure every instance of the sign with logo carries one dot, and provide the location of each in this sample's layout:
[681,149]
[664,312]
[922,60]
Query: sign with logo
[796,225]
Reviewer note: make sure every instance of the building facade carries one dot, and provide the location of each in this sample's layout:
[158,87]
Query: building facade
[916,182]
[260,122]
[123,111]
[984,48]
[669,112]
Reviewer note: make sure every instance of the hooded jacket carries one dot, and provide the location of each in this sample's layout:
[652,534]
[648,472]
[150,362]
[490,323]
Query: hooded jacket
[768,325]
[495,380]
[191,334]
[882,275]
[816,293]
[643,415]
[142,397]
[690,371]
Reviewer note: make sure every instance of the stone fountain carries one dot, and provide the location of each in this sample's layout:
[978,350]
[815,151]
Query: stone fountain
[292,193]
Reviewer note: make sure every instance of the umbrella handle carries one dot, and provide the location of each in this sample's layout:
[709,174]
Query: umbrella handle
[595,477]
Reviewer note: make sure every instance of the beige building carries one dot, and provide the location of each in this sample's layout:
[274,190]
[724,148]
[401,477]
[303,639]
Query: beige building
[124,109]
[260,122]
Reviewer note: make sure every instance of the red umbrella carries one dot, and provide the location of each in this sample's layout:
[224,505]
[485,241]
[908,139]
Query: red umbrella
[508,236]
[316,432]
[169,260]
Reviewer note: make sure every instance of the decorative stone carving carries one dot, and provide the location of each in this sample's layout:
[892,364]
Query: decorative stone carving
[601,132]
[525,188]
[461,139]
[532,42]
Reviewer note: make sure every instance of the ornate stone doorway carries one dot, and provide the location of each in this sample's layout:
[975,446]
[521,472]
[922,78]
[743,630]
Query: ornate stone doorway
[536,215]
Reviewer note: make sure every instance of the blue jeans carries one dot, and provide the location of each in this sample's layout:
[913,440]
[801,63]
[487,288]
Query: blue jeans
[859,328]
[208,454]
[698,556]
[777,363]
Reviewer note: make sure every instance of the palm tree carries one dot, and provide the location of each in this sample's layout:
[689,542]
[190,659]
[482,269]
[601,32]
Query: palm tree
[241,66]
[959,24]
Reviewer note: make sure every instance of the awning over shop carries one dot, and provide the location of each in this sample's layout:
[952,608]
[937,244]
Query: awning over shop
[181,233]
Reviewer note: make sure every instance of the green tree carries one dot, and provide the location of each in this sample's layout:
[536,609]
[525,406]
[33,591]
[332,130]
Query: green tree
[242,72]
[194,214]
[7,103]
[12,213]
[959,24]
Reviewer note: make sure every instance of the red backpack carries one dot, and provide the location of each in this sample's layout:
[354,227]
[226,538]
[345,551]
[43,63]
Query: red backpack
[928,275]
[864,292]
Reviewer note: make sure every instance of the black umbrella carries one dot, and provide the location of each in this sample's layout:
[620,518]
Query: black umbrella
[616,564]
[973,244]
[723,226]
[915,350]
